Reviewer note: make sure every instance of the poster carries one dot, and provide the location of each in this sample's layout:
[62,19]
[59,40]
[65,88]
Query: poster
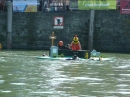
[53,6]
[125,6]
[58,22]
[24,5]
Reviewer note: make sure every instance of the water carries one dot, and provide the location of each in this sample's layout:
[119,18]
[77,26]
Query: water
[23,75]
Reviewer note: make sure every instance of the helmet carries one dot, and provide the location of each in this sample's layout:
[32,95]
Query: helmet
[75,39]
[60,43]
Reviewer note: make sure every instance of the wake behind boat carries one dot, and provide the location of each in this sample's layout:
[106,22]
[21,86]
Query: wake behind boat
[59,58]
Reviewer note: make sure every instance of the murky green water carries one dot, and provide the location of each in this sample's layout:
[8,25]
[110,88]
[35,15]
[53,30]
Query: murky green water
[23,75]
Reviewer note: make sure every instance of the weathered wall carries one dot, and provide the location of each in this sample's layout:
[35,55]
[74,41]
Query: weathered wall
[32,30]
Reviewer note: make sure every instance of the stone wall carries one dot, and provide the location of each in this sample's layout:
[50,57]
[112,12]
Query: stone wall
[32,30]
[112,31]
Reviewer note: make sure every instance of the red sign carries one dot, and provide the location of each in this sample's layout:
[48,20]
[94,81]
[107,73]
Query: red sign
[125,6]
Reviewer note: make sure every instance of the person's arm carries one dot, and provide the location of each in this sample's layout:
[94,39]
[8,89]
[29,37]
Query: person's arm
[80,48]
[70,45]
[67,47]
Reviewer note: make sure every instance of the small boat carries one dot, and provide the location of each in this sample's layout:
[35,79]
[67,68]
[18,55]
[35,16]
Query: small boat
[63,54]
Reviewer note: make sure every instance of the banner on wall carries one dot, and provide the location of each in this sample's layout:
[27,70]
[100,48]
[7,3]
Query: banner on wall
[92,4]
[96,4]
[24,5]
[53,6]
[125,6]
[58,22]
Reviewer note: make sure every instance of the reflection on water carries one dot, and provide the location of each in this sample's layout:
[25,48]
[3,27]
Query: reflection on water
[23,75]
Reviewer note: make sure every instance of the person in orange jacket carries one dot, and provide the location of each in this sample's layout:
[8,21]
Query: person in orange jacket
[75,44]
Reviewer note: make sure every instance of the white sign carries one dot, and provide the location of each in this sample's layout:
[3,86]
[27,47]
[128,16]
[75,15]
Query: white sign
[54,50]
[58,27]
[58,21]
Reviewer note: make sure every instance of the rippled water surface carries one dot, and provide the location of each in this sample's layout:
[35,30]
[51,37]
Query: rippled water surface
[23,75]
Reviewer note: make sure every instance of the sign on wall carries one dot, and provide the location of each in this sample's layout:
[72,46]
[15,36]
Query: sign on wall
[125,6]
[58,22]
[96,4]
[53,6]
[24,5]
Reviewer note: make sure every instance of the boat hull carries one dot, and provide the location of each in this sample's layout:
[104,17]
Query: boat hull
[69,53]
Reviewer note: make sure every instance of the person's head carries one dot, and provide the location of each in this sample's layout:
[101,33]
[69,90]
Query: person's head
[75,57]
[60,43]
[75,39]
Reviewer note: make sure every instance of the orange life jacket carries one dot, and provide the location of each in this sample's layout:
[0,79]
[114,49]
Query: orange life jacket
[75,47]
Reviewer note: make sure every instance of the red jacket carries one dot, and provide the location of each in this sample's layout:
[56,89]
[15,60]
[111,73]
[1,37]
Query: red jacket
[75,47]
